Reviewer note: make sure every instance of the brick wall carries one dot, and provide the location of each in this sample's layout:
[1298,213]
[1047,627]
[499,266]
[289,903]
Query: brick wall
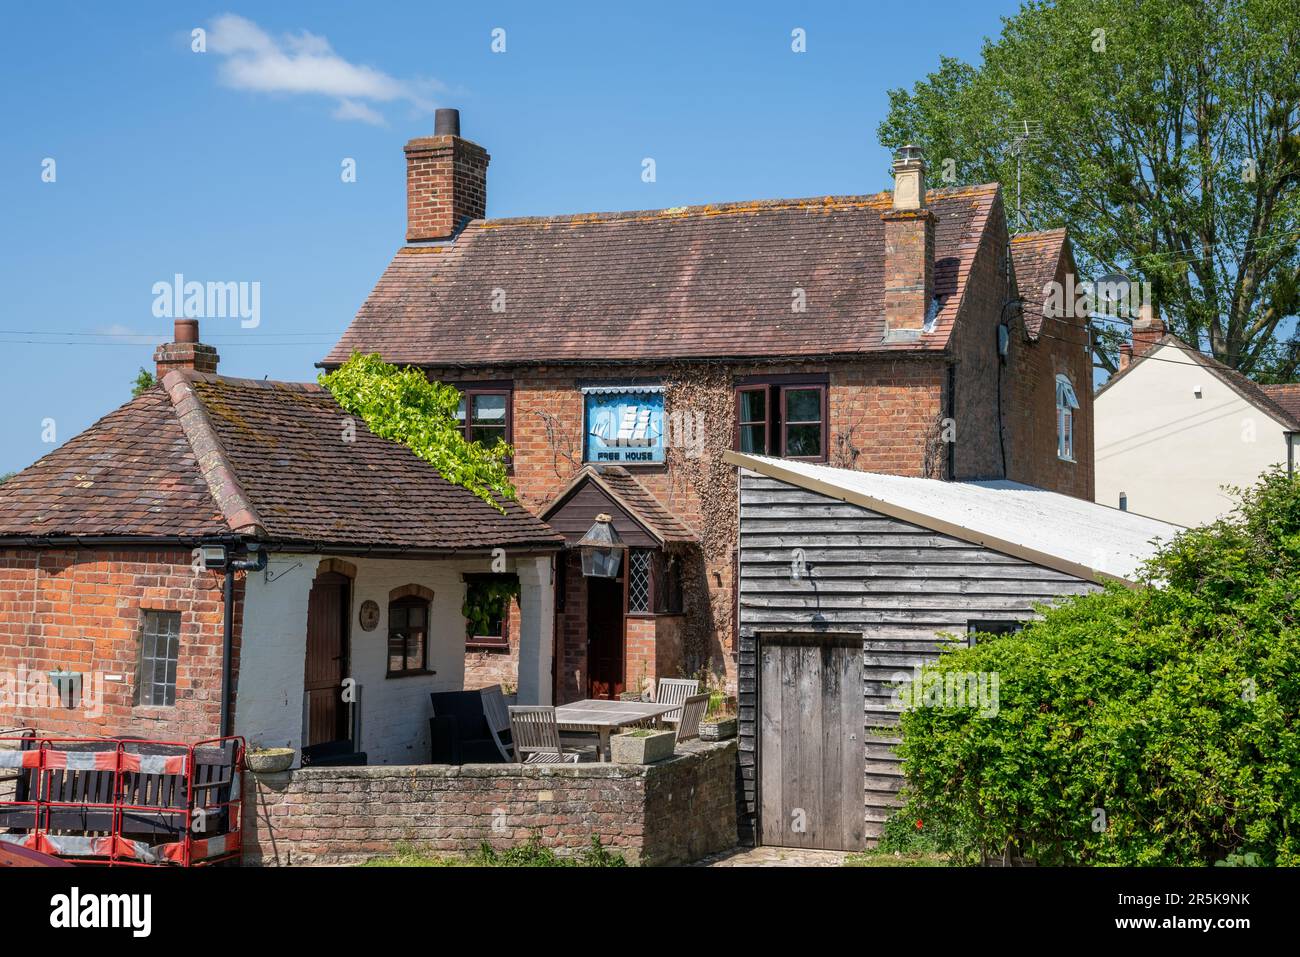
[978,372]
[668,813]
[83,611]
[1062,347]
[496,666]
[446,184]
[883,416]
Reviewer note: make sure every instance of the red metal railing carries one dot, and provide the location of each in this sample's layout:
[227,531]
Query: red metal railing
[133,786]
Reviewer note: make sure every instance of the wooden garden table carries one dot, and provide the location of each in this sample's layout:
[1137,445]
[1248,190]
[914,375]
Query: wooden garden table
[602,717]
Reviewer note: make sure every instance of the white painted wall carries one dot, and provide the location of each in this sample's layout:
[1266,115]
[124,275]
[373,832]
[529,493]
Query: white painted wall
[1171,452]
[394,711]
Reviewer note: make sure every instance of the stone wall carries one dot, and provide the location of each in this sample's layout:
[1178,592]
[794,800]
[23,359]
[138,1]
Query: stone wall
[672,812]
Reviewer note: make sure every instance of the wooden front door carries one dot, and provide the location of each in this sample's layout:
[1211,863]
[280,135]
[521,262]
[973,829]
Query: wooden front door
[327,659]
[604,637]
[811,749]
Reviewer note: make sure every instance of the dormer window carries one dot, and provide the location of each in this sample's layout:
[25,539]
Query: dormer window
[1066,403]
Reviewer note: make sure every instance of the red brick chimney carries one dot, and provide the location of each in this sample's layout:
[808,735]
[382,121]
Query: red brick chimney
[446,181]
[1125,356]
[186,352]
[1148,329]
[909,250]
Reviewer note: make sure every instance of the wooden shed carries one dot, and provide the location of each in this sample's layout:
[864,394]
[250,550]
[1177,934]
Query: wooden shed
[847,581]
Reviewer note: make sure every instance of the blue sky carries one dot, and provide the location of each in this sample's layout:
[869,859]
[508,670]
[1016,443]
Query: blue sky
[225,165]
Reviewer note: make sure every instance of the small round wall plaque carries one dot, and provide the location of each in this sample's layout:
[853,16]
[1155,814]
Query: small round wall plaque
[369,615]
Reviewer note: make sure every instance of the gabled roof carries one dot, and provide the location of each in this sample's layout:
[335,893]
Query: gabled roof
[698,282]
[1257,395]
[624,490]
[1080,538]
[1035,258]
[207,455]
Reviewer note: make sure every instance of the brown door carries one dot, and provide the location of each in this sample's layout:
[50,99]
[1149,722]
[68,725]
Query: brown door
[812,760]
[327,659]
[604,637]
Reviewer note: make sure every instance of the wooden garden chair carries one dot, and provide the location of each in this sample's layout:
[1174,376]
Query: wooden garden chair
[693,709]
[498,720]
[674,691]
[536,736]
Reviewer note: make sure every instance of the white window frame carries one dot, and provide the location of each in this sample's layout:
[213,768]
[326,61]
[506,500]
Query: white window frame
[1066,403]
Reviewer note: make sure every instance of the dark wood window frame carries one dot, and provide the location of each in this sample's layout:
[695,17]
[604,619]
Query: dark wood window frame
[775,389]
[664,588]
[410,601]
[469,390]
[991,626]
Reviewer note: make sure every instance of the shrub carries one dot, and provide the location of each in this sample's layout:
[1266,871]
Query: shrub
[1155,725]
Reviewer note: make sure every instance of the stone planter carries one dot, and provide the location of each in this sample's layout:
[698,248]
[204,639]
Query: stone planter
[270,760]
[643,748]
[717,729]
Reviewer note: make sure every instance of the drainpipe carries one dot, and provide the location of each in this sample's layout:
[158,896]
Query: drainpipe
[255,564]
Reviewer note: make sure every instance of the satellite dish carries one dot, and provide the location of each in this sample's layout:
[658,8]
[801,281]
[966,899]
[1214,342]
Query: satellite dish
[1113,287]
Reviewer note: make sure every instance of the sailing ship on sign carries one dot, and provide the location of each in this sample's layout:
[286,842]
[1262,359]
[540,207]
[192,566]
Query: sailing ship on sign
[632,429]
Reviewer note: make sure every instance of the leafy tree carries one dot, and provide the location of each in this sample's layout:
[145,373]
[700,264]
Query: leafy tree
[1166,136]
[1157,725]
[144,381]
[403,405]
[6,477]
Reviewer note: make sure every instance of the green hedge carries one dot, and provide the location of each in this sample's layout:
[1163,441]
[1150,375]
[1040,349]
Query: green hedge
[1155,725]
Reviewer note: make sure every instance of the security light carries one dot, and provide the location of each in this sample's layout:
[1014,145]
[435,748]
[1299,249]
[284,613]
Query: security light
[214,557]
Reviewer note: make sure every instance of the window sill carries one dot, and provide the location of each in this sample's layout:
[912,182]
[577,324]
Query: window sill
[487,644]
[419,672]
[1062,458]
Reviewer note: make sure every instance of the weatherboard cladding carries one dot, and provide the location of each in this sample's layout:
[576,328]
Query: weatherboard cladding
[695,282]
[901,585]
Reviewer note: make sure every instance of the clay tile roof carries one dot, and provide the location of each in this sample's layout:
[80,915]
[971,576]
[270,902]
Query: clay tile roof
[660,522]
[1035,258]
[694,282]
[209,455]
[1287,396]
[131,473]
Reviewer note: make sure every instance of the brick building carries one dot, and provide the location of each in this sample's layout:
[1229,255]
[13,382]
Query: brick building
[344,557]
[622,353]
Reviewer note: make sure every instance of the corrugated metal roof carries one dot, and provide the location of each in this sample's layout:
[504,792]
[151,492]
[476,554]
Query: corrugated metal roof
[1058,531]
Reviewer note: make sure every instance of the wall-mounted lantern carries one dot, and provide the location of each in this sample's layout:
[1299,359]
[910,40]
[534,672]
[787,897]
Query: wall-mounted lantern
[601,549]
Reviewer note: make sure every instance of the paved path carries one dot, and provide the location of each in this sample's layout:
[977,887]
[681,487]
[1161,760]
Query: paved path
[775,857]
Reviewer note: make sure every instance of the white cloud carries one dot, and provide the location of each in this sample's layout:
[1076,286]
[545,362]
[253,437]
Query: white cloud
[127,334]
[306,64]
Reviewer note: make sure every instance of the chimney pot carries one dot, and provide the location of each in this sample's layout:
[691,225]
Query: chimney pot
[909,178]
[186,330]
[446,122]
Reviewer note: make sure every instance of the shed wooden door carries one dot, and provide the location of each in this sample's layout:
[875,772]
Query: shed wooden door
[811,750]
[327,659]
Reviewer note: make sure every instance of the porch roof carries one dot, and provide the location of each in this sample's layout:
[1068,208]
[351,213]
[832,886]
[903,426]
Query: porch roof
[639,517]
[206,455]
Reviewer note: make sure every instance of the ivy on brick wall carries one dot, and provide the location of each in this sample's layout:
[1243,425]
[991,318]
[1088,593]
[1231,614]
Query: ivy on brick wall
[705,398]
